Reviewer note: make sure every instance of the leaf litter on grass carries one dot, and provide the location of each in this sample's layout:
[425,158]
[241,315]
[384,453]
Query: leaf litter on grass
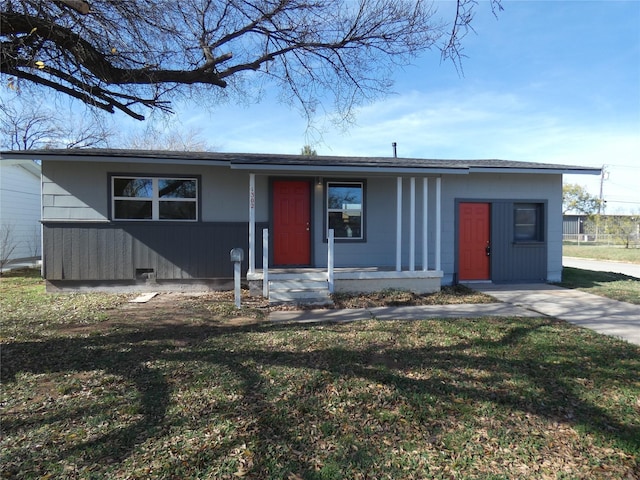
[175,391]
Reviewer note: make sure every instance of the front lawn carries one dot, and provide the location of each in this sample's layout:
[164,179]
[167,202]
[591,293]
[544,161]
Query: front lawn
[606,284]
[190,390]
[614,253]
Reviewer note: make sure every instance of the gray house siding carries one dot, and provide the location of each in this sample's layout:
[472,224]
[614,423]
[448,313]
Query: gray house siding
[126,251]
[80,191]
[512,261]
[20,208]
[379,248]
[82,243]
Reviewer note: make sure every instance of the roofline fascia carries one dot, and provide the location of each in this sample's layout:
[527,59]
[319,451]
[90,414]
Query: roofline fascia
[260,167]
[120,159]
[543,171]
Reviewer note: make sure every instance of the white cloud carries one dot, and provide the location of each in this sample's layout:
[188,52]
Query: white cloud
[450,123]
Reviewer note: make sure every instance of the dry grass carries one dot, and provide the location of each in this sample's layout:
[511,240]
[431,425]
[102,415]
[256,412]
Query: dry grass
[188,387]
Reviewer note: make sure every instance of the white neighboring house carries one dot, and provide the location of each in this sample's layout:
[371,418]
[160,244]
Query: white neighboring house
[20,211]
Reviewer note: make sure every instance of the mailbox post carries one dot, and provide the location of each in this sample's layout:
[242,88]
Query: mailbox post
[236,256]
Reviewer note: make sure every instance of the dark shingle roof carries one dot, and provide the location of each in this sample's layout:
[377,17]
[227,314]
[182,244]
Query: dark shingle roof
[271,161]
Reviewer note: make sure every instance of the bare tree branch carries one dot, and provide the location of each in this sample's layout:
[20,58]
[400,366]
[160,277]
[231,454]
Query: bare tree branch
[461,26]
[132,56]
[28,125]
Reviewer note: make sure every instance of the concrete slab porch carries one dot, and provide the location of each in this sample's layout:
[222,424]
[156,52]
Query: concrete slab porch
[356,279]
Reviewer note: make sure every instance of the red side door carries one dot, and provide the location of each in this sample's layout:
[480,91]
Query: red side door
[474,241]
[291,223]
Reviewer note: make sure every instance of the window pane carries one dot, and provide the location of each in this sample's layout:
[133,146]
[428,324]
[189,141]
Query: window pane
[175,188]
[527,220]
[345,224]
[345,197]
[154,198]
[133,187]
[525,232]
[132,209]
[177,210]
[344,209]
[525,216]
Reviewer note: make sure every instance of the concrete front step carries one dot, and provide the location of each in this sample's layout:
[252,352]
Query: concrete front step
[298,284]
[308,292]
[298,276]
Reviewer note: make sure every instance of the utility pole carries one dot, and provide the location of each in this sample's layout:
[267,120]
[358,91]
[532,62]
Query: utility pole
[603,173]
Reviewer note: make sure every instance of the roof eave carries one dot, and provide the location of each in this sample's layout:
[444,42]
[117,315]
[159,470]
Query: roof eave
[328,169]
[116,159]
[543,170]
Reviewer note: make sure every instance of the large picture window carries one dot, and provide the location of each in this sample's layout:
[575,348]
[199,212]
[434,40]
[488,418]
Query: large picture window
[154,198]
[528,222]
[345,208]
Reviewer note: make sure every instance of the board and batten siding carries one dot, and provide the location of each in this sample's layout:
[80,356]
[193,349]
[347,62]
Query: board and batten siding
[126,251]
[20,207]
[512,262]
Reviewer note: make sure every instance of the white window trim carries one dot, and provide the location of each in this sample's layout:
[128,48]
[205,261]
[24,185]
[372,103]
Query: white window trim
[154,199]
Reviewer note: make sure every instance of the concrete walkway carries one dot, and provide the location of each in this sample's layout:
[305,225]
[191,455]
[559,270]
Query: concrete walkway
[609,317]
[404,313]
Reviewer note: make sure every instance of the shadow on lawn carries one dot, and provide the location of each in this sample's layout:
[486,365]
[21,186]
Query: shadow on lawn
[380,363]
[579,278]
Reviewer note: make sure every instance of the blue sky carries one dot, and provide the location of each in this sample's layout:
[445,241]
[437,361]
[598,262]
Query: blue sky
[545,81]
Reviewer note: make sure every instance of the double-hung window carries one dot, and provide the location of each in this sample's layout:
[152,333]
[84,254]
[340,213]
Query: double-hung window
[345,209]
[154,198]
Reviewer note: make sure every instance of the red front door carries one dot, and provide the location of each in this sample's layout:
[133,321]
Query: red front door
[474,241]
[291,223]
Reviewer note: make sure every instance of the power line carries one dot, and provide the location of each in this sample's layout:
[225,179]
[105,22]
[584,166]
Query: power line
[622,201]
[622,166]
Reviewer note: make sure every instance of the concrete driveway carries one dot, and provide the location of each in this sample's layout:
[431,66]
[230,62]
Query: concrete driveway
[606,316]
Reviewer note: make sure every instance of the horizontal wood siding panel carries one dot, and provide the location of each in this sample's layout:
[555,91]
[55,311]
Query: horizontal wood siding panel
[97,251]
[20,210]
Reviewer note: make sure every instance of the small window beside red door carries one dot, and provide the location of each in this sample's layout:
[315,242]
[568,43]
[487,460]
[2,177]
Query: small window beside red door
[345,209]
[527,222]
